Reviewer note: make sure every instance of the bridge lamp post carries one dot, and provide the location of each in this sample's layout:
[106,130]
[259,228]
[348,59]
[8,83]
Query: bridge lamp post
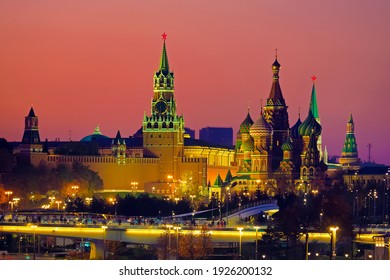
[240,229]
[104,241]
[256,228]
[333,230]
[34,227]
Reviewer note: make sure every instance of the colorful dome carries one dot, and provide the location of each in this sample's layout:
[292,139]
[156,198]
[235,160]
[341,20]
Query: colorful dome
[295,129]
[248,145]
[246,124]
[309,126]
[287,145]
[260,128]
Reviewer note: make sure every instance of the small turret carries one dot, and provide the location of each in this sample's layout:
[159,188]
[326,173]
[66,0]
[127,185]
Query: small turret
[349,156]
[118,148]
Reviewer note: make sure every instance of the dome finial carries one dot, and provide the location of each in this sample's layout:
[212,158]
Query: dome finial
[164,36]
[276,53]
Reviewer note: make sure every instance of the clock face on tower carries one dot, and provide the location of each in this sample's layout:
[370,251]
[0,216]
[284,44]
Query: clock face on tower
[160,107]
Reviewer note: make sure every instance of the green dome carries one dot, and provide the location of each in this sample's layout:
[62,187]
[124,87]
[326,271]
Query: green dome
[287,145]
[246,124]
[309,126]
[95,136]
[248,145]
[295,129]
[260,128]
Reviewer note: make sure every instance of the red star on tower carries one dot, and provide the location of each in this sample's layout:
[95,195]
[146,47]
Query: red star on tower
[164,36]
[313,78]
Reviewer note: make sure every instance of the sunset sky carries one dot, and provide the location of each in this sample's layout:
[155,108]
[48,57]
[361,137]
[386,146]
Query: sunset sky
[83,63]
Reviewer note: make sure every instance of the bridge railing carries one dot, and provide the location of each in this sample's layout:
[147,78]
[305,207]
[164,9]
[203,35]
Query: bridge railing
[250,205]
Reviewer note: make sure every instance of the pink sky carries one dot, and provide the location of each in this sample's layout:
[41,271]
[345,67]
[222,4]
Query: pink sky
[87,63]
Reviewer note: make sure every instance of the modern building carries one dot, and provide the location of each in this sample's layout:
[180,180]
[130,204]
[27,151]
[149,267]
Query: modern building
[222,136]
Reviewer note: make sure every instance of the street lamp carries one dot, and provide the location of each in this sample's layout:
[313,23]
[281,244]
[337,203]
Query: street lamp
[58,204]
[104,241]
[14,202]
[333,230]
[170,177]
[169,240]
[8,193]
[256,228]
[240,229]
[177,239]
[227,205]
[75,188]
[34,227]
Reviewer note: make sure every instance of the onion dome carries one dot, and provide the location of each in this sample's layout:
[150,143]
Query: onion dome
[260,128]
[295,129]
[246,124]
[248,145]
[287,145]
[276,64]
[309,126]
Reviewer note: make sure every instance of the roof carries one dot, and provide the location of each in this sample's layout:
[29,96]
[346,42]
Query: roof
[188,142]
[31,114]
[246,124]
[309,126]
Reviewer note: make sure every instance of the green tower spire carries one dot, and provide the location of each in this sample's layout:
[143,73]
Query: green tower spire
[164,65]
[313,100]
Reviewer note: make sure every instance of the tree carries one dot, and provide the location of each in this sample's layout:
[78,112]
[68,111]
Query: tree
[163,243]
[195,246]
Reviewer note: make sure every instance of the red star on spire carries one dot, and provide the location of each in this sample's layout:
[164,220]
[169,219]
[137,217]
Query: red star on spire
[164,36]
[313,78]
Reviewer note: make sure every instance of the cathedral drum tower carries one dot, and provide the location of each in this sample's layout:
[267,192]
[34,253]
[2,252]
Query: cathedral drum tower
[275,113]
